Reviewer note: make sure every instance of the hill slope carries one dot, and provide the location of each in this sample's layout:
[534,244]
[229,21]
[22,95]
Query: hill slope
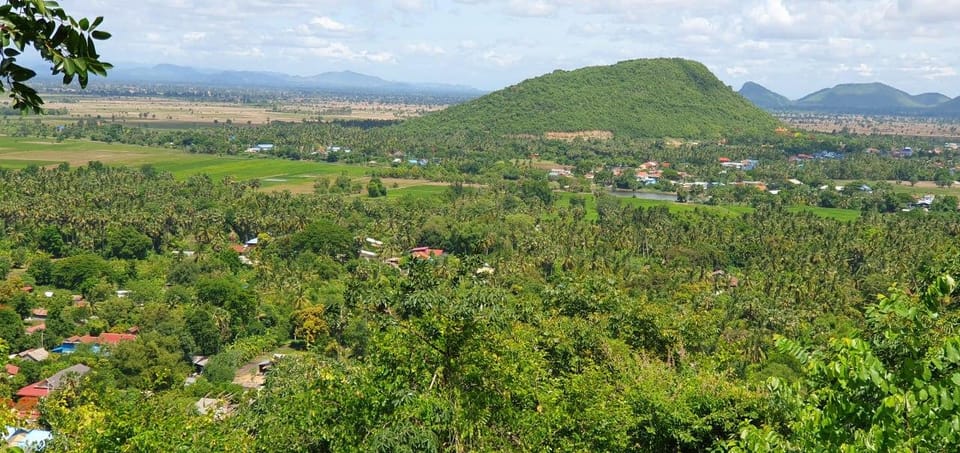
[931,99]
[863,97]
[948,109]
[763,97]
[639,98]
[343,81]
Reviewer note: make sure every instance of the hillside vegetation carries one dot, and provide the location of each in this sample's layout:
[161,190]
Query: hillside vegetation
[640,98]
[854,98]
[949,108]
[864,96]
[763,97]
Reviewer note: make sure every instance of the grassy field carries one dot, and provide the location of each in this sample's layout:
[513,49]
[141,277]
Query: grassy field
[844,215]
[180,114]
[921,188]
[18,152]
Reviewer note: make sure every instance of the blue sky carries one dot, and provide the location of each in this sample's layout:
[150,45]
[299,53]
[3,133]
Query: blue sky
[791,46]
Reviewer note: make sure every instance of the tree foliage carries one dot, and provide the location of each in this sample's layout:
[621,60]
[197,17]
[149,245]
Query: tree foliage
[894,389]
[68,44]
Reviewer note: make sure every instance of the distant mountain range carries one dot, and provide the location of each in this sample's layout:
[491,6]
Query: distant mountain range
[328,81]
[656,98]
[856,98]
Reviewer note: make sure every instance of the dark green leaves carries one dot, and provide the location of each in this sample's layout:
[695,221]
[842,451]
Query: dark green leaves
[65,42]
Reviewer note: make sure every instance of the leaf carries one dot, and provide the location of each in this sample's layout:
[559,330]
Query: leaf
[100,35]
[951,351]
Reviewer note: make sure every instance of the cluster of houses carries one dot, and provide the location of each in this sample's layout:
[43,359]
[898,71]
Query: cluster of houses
[556,173]
[820,155]
[28,397]
[745,165]
[69,346]
[425,253]
[260,148]
[648,173]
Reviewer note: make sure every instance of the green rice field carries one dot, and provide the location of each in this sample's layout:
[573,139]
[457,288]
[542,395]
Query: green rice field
[17,152]
[844,215]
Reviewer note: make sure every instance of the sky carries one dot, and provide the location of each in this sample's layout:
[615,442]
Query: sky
[791,46]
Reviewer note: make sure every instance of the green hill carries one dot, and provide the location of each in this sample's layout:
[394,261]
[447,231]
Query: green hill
[653,98]
[764,98]
[950,108]
[931,99]
[862,97]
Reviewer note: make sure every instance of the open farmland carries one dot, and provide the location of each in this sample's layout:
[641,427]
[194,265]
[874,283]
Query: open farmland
[913,126]
[175,113]
[297,176]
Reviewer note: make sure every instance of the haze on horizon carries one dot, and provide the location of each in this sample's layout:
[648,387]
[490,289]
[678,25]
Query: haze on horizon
[790,46]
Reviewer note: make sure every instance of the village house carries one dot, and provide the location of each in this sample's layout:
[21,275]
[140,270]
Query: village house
[57,380]
[28,397]
[36,355]
[69,345]
[425,253]
[217,407]
[38,314]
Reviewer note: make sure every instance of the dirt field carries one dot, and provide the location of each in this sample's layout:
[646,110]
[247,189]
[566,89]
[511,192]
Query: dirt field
[874,125]
[585,135]
[177,113]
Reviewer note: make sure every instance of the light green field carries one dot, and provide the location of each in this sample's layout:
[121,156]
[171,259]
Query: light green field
[921,188]
[17,152]
[844,215]
[429,192]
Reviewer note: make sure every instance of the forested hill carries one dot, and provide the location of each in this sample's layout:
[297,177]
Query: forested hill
[653,98]
[868,98]
[763,97]
[949,108]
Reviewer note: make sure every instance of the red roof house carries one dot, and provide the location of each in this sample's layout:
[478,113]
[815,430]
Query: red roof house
[116,338]
[44,387]
[425,252]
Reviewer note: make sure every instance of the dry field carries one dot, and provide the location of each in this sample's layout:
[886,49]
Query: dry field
[162,112]
[584,135]
[875,125]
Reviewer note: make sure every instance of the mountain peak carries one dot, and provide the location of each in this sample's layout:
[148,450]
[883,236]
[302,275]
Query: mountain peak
[657,98]
[763,97]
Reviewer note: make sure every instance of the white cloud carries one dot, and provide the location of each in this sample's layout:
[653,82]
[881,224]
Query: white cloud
[772,14]
[697,26]
[328,24]
[194,36]
[587,29]
[737,71]
[423,48]
[411,6]
[792,45]
[531,8]
[929,10]
[500,59]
